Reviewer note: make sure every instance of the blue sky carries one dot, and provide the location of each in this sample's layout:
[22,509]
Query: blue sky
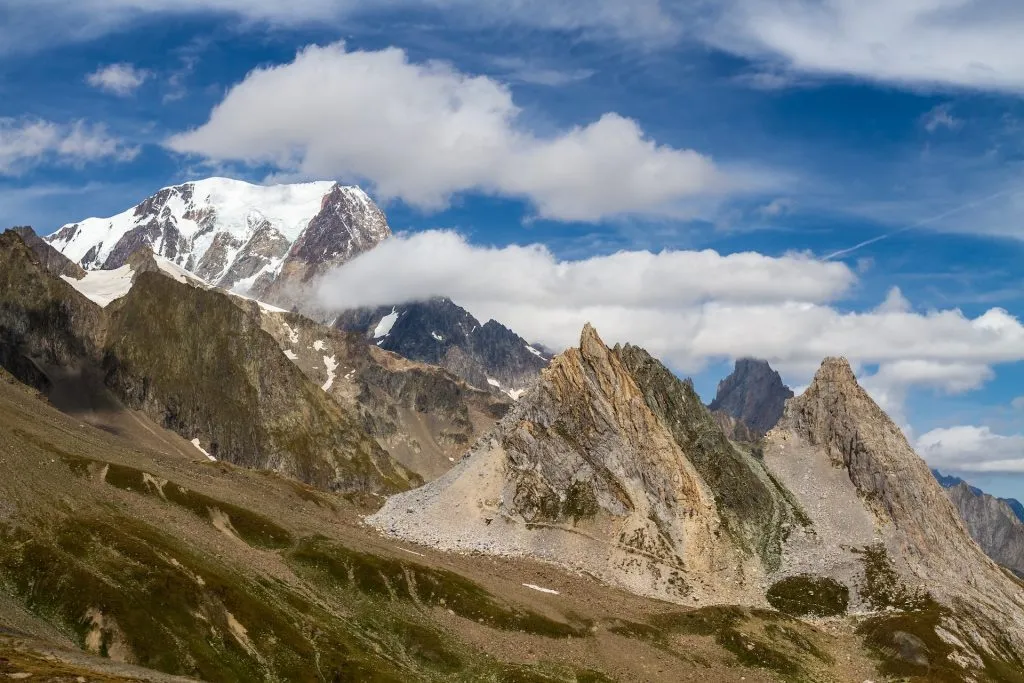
[770,127]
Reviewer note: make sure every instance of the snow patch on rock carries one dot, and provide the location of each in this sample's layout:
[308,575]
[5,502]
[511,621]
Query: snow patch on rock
[384,326]
[104,286]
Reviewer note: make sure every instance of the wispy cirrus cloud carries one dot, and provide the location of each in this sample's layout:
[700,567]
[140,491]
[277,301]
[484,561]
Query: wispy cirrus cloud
[642,22]
[964,44]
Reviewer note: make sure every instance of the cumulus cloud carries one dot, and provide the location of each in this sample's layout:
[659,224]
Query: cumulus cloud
[1017,403]
[25,144]
[688,307]
[972,449]
[119,79]
[973,44]
[422,132]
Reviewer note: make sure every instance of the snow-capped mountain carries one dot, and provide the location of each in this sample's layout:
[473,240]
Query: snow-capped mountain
[262,241]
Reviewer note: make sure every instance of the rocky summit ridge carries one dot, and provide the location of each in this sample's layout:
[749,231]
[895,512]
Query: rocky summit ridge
[610,465]
[438,331]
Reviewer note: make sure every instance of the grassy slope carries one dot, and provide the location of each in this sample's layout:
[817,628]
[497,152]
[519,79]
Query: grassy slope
[205,570]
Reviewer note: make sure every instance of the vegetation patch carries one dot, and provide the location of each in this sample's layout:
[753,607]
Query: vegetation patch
[169,609]
[883,587]
[254,529]
[807,595]
[756,638]
[392,579]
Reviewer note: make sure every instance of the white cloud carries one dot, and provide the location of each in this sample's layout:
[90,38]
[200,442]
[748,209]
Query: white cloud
[972,449]
[940,116]
[894,302]
[689,307]
[890,385]
[972,44]
[644,22]
[1017,403]
[25,144]
[423,132]
[118,79]
[777,207]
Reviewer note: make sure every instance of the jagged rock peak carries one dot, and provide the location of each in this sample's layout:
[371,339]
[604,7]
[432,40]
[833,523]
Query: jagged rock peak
[837,370]
[591,345]
[610,464]
[754,394]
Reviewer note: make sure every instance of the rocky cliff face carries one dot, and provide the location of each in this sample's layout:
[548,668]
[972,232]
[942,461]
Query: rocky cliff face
[883,528]
[425,417]
[195,363]
[611,465]
[753,394]
[43,320]
[992,523]
[51,259]
[438,332]
[347,225]
[255,240]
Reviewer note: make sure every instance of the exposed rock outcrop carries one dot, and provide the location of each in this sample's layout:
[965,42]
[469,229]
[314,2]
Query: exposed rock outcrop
[883,526]
[425,417]
[50,258]
[347,225]
[193,361]
[753,394]
[611,465]
[439,332]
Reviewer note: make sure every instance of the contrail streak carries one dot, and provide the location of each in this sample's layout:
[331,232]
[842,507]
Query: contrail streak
[926,221]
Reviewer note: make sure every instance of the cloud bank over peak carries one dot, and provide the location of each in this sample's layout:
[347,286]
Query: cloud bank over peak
[690,307]
[423,132]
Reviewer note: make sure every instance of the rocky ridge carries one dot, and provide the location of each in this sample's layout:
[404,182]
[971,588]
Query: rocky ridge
[262,241]
[438,332]
[424,416]
[610,465]
[950,481]
[883,527]
[992,523]
[194,362]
